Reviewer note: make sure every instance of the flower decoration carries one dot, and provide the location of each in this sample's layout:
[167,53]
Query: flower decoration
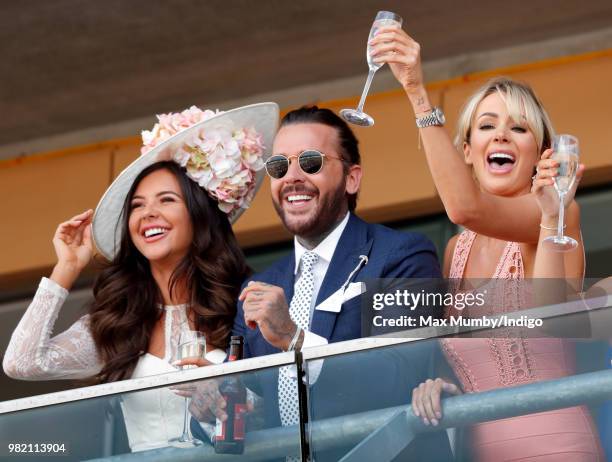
[220,160]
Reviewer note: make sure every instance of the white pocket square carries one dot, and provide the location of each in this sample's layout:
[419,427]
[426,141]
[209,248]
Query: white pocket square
[334,302]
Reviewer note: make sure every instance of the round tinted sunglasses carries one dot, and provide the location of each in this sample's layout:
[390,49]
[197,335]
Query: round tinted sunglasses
[310,161]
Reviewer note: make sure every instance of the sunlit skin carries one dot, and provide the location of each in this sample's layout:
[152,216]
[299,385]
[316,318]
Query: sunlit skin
[313,217]
[494,131]
[158,203]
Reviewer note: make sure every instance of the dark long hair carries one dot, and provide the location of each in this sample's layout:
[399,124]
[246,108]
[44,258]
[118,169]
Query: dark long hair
[124,311]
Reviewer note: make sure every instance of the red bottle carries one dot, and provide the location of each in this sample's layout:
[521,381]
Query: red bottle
[229,435]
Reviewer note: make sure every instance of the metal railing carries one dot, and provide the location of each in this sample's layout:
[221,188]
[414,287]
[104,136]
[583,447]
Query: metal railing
[368,430]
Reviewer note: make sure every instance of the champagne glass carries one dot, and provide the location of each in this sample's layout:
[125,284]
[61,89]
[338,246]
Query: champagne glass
[566,152]
[192,344]
[357,116]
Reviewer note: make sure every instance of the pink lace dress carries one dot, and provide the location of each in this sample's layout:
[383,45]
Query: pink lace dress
[487,363]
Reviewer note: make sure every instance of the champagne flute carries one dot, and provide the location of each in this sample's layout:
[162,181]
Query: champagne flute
[357,116]
[192,344]
[566,152]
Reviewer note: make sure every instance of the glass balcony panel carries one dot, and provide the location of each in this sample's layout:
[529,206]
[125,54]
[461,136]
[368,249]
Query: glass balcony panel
[134,419]
[359,404]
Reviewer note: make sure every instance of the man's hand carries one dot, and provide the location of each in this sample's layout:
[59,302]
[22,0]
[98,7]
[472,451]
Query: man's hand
[206,401]
[265,306]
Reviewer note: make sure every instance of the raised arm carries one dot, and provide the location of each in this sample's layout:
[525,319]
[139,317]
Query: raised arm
[463,200]
[32,354]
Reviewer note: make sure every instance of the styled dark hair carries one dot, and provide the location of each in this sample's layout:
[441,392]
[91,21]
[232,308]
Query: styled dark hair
[349,146]
[126,297]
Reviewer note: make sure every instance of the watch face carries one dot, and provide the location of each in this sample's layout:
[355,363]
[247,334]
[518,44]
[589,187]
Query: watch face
[440,115]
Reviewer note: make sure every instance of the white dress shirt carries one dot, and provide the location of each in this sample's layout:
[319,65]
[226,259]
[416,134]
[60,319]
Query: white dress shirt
[325,250]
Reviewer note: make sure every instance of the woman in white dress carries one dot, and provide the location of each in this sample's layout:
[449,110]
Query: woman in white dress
[174,264]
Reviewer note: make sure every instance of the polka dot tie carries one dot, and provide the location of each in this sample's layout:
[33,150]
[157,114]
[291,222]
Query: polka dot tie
[299,310]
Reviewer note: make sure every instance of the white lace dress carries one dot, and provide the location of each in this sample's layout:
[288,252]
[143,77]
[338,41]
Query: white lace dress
[152,417]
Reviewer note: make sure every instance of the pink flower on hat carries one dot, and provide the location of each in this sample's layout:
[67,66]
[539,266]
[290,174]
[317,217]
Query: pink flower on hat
[232,192]
[219,160]
[251,144]
[172,123]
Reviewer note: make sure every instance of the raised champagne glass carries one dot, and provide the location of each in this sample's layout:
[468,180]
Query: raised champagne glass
[192,344]
[357,116]
[566,152]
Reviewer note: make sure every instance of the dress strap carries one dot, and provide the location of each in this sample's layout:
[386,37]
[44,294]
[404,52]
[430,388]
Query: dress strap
[461,253]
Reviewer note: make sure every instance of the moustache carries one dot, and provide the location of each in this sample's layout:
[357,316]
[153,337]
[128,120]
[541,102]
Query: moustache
[298,189]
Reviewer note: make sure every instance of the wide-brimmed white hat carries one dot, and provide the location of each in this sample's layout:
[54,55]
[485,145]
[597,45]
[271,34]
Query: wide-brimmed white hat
[224,154]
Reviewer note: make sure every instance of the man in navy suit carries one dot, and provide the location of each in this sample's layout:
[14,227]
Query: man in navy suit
[318,209]
[315,177]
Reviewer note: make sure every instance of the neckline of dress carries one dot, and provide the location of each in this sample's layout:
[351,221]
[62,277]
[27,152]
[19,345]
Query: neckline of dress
[507,248]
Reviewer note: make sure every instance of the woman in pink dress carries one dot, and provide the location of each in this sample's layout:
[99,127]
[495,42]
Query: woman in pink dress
[484,179]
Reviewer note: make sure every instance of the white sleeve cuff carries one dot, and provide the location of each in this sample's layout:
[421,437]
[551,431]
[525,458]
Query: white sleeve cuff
[314,367]
[54,287]
[209,430]
[314,370]
[313,340]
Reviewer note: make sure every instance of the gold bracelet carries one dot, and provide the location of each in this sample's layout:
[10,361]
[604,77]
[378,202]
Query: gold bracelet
[551,228]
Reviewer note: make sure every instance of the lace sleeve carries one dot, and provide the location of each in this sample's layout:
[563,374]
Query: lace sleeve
[33,355]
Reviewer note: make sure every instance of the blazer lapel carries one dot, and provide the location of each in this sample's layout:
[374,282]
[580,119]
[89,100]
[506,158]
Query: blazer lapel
[353,243]
[286,278]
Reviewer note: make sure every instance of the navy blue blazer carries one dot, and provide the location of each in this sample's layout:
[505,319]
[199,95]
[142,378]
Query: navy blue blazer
[391,254]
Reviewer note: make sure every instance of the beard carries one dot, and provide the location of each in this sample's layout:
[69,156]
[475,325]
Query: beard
[330,209]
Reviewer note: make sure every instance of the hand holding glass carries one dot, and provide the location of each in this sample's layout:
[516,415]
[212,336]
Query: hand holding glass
[192,344]
[566,152]
[357,116]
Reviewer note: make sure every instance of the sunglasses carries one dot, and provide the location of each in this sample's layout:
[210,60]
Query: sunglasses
[310,161]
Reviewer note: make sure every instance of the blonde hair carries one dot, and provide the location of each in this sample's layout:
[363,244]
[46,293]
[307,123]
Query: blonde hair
[522,104]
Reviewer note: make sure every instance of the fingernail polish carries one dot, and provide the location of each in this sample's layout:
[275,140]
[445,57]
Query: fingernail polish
[434,422]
